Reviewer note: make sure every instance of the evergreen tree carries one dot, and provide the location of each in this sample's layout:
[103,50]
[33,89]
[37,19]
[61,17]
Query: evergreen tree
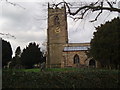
[6,53]
[18,52]
[105,44]
[31,55]
[16,61]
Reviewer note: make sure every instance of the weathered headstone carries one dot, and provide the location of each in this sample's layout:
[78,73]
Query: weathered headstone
[42,66]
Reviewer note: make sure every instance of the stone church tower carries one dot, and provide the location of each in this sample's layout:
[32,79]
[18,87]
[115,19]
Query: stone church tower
[60,53]
[57,35]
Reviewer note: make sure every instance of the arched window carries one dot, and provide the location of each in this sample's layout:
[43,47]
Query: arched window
[56,20]
[76,59]
[92,63]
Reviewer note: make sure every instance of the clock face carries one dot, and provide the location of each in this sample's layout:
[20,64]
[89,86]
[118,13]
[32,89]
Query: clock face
[57,30]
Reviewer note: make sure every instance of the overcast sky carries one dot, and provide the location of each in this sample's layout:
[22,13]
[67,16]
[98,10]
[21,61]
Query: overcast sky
[28,23]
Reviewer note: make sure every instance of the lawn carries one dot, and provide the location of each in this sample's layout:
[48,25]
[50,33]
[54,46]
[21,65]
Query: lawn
[60,78]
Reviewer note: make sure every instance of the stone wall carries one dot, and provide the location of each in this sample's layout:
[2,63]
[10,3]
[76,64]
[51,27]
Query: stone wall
[68,56]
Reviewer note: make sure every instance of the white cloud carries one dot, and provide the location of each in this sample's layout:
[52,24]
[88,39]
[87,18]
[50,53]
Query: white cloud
[30,24]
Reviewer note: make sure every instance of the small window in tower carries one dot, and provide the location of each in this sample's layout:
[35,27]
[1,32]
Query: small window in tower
[56,20]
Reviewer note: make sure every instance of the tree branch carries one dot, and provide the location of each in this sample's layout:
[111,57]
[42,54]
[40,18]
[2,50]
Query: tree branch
[109,4]
[94,8]
[97,6]
[8,35]
[97,16]
[14,4]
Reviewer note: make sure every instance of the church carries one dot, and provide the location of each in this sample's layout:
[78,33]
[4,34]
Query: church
[60,53]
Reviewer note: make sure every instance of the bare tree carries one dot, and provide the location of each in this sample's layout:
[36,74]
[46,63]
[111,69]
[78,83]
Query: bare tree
[85,8]
[98,6]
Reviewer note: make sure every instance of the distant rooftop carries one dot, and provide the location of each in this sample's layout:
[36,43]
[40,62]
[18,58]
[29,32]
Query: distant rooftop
[80,48]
